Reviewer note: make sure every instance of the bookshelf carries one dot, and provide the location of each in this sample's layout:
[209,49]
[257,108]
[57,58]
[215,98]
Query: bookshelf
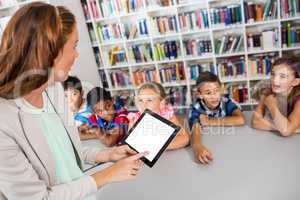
[171,41]
[8,8]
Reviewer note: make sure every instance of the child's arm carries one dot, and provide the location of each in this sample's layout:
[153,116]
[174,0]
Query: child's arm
[258,121]
[286,126]
[182,138]
[111,137]
[202,154]
[86,133]
[237,119]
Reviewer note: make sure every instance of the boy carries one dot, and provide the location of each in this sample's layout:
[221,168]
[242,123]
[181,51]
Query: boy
[77,105]
[211,109]
[109,121]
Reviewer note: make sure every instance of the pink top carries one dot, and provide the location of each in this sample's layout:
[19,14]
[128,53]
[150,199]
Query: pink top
[166,112]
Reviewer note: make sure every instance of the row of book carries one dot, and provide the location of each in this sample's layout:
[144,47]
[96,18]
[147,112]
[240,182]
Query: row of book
[195,20]
[172,72]
[92,33]
[140,53]
[290,8]
[255,11]
[165,24]
[120,78]
[266,40]
[177,95]
[260,65]
[226,15]
[238,93]
[232,68]
[290,35]
[167,50]
[257,89]
[229,44]
[103,78]
[113,7]
[117,55]
[109,31]
[144,75]
[135,30]
[196,68]
[197,47]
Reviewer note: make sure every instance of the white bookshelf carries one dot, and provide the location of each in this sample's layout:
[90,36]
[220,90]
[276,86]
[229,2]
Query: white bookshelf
[9,7]
[212,32]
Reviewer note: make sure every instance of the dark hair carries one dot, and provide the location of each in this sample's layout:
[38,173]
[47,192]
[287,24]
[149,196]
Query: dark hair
[205,77]
[31,41]
[72,82]
[97,94]
[294,63]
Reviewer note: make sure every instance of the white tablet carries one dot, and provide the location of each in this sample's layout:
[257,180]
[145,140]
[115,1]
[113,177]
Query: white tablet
[151,133]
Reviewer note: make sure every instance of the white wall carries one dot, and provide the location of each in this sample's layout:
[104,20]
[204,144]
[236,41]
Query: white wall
[85,66]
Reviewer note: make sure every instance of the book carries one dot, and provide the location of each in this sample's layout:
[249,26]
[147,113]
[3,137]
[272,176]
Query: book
[156,3]
[165,24]
[140,53]
[194,20]
[290,35]
[265,40]
[116,55]
[176,96]
[103,78]
[172,72]
[233,67]
[238,92]
[229,44]
[167,50]
[260,64]
[228,15]
[290,8]
[197,47]
[196,68]
[85,10]
[120,78]
[147,74]
[109,32]
[254,11]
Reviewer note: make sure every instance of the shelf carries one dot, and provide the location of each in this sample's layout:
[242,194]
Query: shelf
[138,39]
[116,17]
[122,88]
[168,35]
[290,18]
[195,32]
[229,27]
[233,79]
[118,66]
[141,64]
[258,78]
[175,83]
[291,48]
[230,55]
[262,23]
[203,57]
[111,43]
[195,3]
[169,61]
[262,51]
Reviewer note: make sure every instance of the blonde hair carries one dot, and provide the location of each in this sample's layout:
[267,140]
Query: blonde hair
[156,87]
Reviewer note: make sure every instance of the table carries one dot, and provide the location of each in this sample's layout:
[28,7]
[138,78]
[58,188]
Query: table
[248,165]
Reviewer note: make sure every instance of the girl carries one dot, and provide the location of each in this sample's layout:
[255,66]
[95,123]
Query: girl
[152,96]
[40,157]
[280,109]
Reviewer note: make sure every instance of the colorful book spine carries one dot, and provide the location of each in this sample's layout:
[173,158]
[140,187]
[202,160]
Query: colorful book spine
[195,20]
[290,8]
[196,68]
[229,44]
[260,65]
[117,55]
[92,33]
[238,93]
[135,30]
[145,75]
[165,24]
[290,35]
[232,68]
[226,15]
[177,95]
[253,11]
[197,47]
[140,53]
[85,10]
[103,78]
[120,78]
[109,32]
[172,72]
[270,10]
[168,50]
[266,40]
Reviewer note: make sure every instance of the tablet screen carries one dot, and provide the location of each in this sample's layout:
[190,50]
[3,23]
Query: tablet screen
[150,134]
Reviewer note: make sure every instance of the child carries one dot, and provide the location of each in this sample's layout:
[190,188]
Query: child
[108,121]
[77,104]
[280,109]
[152,96]
[211,109]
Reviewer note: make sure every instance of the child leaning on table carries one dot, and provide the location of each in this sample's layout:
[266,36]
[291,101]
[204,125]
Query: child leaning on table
[152,96]
[279,108]
[211,109]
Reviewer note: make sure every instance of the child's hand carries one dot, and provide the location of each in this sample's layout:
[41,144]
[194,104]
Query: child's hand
[203,155]
[118,153]
[270,101]
[203,119]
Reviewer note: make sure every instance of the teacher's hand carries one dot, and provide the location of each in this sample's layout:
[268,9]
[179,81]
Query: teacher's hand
[118,153]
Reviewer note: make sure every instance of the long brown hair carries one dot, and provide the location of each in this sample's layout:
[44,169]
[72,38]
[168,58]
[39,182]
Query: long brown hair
[30,43]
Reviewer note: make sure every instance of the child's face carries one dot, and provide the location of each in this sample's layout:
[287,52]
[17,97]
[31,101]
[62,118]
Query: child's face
[210,92]
[74,98]
[104,109]
[283,79]
[148,99]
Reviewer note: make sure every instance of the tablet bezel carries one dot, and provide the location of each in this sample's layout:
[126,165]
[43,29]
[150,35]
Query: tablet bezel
[172,136]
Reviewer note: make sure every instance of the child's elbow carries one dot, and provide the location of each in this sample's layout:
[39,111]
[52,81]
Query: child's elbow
[186,140]
[242,121]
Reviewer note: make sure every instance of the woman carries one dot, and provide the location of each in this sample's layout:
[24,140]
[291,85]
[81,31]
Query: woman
[39,157]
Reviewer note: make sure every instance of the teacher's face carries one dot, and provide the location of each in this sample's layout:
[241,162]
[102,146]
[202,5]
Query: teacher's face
[66,57]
